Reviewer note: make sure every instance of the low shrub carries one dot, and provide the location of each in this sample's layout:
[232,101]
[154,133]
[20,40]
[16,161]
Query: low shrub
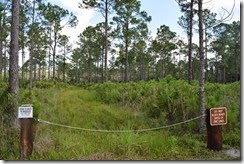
[50,84]
[43,84]
[178,100]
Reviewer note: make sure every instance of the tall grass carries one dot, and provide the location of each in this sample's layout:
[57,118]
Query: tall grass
[126,106]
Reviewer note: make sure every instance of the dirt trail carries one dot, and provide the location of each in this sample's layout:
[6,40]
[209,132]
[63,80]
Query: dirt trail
[234,153]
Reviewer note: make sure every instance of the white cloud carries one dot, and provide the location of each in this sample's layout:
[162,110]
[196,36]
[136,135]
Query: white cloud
[84,17]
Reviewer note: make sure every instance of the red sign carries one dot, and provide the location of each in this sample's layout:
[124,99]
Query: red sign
[218,116]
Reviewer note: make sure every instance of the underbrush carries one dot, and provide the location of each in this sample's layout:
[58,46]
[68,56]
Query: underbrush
[8,135]
[170,101]
[50,84]
[123,107]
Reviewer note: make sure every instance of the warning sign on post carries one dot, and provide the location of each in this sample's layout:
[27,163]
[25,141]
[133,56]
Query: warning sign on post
[218,116]
[25,112]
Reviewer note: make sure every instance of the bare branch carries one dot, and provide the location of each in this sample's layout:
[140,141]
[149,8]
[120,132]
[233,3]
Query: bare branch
[230,14]
[207,2]
[223,19]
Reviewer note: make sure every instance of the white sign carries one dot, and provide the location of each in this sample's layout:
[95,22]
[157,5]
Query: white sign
[25,112]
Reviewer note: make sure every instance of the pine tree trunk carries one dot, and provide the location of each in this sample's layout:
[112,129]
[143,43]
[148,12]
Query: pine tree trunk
[1,49]
[5,63]
[13,65]
[154,67]
[126,52]
[49,56]
[224,70]
[106,39]
[190,72]
[39,72]
[206,55]
[102,66]
[201,79]
[31,68]
[54,53]
[64,65]
[122,74]
[32,46]
[43,72]
[23,61]
[34,79]
[142,67]
[90,71]
[58,71]
[236,70]
[163,68]
[49,66]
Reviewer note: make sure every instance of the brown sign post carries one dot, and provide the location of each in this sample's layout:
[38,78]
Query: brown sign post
[216,117]
[25,115]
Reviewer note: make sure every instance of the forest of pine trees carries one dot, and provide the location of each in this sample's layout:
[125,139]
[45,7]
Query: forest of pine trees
[120,48]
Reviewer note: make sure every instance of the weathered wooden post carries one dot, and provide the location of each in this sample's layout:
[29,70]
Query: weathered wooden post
[25,115]
[216,117]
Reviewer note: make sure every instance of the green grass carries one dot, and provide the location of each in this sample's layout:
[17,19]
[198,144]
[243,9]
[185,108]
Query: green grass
[132,106]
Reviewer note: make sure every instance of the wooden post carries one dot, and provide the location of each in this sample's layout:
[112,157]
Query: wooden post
[26,131]
[214,134]
[26,138]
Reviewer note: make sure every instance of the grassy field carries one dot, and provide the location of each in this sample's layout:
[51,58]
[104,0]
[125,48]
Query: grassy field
[88,106]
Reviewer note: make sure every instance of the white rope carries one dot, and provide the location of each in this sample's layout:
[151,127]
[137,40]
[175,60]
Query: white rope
[117,131]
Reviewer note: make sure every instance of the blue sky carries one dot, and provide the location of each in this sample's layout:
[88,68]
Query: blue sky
[163,12]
